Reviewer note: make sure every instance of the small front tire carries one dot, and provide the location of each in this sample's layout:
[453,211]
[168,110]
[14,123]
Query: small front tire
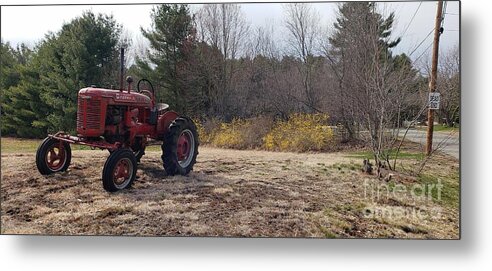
[138,150]
[53,156]
[119,171]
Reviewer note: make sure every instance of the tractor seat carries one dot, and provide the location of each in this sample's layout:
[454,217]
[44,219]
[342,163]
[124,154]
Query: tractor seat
[161,107]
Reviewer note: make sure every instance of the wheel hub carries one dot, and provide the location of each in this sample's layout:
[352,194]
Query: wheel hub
[121,171]
[55,157]
[185,148]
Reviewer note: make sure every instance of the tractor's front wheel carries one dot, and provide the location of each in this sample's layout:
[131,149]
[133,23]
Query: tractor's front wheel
[119,171]
[180,147]
[53,156]
[138,149]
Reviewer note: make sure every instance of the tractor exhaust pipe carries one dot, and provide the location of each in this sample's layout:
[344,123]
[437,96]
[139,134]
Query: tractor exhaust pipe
[122,66]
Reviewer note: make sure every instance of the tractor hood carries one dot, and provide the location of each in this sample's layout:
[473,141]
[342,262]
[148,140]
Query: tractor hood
[116,97]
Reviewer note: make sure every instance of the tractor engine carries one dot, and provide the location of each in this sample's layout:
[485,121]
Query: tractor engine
[111,113]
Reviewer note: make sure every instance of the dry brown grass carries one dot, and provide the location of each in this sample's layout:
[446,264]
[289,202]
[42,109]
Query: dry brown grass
[230,193]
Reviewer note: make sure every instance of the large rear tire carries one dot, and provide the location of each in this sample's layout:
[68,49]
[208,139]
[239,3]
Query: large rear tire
[119,171]
[180,147]
[53,156]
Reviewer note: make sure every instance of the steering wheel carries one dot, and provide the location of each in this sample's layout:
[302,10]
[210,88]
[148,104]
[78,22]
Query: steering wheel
[146,92]
[145,80]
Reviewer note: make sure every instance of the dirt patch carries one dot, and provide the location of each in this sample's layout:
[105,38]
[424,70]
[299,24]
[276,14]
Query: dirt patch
[229,193]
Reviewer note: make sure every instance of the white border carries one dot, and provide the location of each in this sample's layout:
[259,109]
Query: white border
[470,253]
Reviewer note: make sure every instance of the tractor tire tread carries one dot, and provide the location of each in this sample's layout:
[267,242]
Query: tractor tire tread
[40,156]
[107,175]
[169,146]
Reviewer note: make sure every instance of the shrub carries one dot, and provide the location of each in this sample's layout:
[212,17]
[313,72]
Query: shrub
[229,134]
[255,130]
[207,130]
[301,132]
[242,134]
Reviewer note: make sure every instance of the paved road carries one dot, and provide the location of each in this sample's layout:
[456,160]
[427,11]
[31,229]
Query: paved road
[450,141]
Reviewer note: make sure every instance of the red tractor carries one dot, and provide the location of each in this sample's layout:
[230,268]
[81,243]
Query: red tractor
[123,121]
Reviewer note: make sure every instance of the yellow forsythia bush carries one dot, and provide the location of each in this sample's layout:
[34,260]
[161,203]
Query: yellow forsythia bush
[237,134]
[233,135]
[301,132]
[200,130]
[207,130]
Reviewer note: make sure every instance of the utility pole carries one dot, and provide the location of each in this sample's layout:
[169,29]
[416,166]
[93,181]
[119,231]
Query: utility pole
[433,76]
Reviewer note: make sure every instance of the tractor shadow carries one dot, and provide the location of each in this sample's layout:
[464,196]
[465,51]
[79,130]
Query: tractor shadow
[152,170]
[152,183]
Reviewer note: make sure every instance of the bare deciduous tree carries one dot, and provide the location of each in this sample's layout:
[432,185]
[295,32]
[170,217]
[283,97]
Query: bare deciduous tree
[224,27]
[376,83]
[448,85]
[303,25]
[263,43]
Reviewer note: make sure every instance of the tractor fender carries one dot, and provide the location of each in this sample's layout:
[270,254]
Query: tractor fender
[164,121]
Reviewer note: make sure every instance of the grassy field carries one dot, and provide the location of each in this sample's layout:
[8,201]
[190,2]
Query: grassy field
[413,154]
[19,145]
[13,145]
[230,193]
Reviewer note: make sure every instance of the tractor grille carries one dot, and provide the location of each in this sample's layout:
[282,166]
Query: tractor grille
[92,110]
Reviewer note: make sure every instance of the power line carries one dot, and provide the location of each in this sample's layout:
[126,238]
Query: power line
[428,35]
[411,20]
[432,30]
[443,12]
[425,51]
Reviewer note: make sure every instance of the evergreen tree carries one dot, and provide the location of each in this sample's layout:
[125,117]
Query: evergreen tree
[360,44]
[374,85]
[171,32]
[9,75]
[23,112]
[359,25]
[83,53]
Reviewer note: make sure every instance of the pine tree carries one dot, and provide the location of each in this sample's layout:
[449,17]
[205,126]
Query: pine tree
[9,77]
[360,25]
[171,32]
[360,43]
[23,112]
[26,112]
[83,53]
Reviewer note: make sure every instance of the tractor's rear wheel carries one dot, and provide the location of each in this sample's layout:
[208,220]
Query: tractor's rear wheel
[180,147]
[119,171]
[53,156]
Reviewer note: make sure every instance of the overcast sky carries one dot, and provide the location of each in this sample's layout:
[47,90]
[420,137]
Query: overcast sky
[29,24]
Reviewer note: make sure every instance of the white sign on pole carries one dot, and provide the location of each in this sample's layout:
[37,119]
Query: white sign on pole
[434,100]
